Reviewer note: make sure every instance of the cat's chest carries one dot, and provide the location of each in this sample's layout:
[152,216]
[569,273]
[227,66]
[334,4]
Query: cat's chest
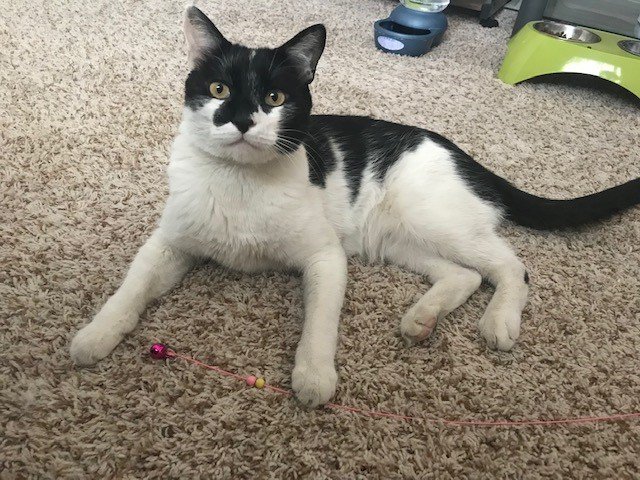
[241,224]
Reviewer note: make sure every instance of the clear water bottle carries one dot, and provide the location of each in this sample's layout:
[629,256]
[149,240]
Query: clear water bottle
[431,6]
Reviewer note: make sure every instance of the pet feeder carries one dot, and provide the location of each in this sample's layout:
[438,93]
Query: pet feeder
[413,28]
[547,47]
[590,37]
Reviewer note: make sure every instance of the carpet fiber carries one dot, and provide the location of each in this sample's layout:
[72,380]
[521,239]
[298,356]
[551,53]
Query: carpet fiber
[90,97]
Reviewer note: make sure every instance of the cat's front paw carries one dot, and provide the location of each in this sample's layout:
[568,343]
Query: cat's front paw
[93,343]
[314,383]
[500,330]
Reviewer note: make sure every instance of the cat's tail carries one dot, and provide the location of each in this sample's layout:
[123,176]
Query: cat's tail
[544,214]
[537,212]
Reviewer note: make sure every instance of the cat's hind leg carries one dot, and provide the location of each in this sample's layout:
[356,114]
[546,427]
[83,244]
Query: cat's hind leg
[452,285]
[487,256]
[427,201]
[496,261]
[156,268]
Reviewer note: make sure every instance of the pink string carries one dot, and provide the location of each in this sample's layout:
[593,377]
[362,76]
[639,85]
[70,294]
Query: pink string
[408,418]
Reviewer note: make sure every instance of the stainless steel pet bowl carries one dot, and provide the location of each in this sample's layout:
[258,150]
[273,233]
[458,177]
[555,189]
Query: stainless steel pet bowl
[630,46]
[566,32]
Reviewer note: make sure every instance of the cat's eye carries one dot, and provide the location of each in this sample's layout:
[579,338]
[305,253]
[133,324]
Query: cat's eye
[219,90]
[275,98]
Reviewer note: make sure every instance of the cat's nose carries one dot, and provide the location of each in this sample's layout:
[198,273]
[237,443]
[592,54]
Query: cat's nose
[244,125]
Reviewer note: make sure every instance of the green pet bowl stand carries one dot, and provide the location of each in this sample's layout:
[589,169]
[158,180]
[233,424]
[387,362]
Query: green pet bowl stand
[545,47]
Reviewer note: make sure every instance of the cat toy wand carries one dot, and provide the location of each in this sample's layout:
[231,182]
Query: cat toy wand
[161,351]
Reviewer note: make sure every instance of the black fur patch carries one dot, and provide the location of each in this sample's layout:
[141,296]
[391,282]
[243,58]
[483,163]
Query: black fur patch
[362,140]
[526,277]
[319,153]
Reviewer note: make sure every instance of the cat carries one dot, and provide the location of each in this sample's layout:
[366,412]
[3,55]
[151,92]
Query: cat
[256,182]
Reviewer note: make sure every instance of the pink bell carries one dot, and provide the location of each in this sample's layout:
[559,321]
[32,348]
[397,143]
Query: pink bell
[160,351]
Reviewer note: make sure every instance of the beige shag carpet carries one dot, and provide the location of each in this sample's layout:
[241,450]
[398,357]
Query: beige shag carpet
[90,97]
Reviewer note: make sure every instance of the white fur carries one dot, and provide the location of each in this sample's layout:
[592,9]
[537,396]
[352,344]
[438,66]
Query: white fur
[251,209]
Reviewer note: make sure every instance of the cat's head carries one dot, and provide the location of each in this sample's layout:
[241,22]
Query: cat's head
[247,105]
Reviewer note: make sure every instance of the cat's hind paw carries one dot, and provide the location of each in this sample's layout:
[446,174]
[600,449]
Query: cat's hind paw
[499,330]
[314,383]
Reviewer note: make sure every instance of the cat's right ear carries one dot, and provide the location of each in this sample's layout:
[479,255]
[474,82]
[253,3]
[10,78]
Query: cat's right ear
[201,34]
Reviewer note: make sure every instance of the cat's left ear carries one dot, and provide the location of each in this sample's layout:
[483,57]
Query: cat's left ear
[201,34]
[305,50]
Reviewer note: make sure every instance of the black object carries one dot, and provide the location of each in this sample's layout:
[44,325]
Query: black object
[487,9]
[489,22]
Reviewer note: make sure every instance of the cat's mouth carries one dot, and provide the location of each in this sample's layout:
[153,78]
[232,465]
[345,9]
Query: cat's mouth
[243,141]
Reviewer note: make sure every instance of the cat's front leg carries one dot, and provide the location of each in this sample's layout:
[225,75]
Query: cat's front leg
[314,376]
[156,268]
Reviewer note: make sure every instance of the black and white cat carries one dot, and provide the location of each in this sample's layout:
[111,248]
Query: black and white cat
[256,182]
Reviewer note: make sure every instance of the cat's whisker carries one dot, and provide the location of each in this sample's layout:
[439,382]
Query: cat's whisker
[294,130]
[273,57]
[314,155]
[296,143]
[289,155]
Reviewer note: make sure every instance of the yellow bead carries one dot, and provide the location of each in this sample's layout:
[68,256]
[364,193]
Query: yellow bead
[260,382]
